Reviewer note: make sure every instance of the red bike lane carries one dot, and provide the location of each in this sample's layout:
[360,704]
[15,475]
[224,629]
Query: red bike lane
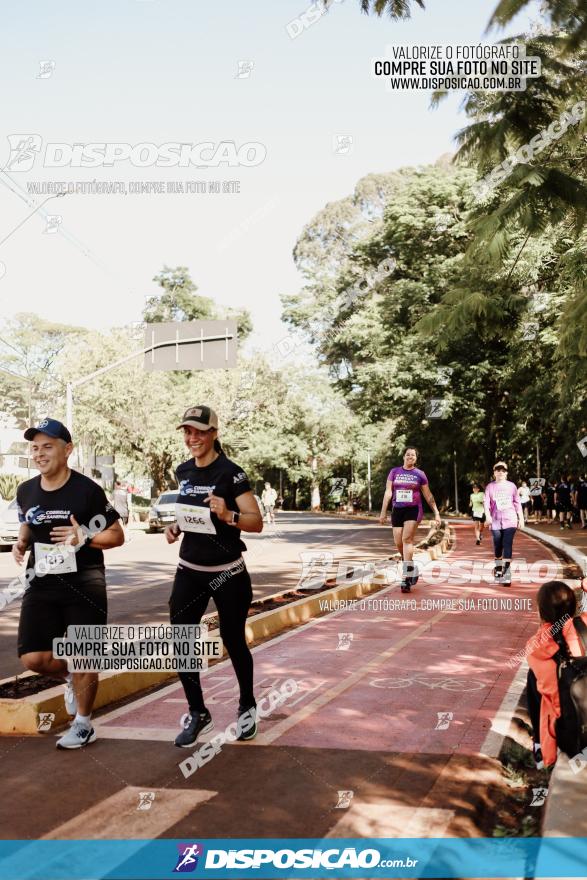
[398,715]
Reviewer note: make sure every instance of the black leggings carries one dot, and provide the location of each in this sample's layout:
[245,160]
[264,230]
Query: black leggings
[187,604]
[533,698]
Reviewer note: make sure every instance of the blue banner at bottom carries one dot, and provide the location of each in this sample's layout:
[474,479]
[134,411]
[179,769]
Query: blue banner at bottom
[292,858]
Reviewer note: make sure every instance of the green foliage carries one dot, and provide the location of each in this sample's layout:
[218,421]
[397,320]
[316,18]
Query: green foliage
[8,486]
[398,10]
[438,308]
[179,301]
[29,347]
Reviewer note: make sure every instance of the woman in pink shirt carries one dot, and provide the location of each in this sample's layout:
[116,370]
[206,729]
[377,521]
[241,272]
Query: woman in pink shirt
[504,514]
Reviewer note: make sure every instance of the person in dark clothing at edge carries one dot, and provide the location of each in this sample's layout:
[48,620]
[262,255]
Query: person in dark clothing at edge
[211,563]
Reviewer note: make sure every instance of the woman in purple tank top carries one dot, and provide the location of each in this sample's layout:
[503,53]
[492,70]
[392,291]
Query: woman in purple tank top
[406,485]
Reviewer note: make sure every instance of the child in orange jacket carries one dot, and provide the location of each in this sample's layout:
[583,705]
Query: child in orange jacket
[557,606]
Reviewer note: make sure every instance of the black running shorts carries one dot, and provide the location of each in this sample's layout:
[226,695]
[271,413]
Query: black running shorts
[51,604]
[401,515]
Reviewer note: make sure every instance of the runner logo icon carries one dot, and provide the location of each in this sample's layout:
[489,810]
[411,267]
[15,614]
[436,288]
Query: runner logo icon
[23,151]
[187,860]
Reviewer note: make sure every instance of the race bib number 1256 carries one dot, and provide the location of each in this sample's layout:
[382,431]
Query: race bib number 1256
[192,518]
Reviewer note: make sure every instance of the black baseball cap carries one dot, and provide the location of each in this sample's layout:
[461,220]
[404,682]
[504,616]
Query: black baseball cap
[52,428]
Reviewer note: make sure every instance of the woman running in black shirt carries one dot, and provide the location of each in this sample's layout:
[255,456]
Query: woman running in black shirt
[211,563]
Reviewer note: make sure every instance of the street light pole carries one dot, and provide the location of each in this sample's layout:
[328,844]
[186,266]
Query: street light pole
[369,480]
[129,357]
[456,484]
[69,406]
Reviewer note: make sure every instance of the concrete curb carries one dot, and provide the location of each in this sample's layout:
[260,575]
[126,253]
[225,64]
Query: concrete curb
[22,715]
[573,553]
[564,813]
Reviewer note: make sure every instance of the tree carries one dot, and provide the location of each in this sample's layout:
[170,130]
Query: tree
[30,347]
[438,325]
[569,17]
[180,302]
[399,10]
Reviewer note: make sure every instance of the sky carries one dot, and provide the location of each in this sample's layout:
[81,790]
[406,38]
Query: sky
[159,71]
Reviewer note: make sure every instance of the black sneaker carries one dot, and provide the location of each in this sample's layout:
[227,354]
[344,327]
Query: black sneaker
[246,721]
[413,578]
[506,577]
[405,586]
[194,725]
[497,572]
[478,541]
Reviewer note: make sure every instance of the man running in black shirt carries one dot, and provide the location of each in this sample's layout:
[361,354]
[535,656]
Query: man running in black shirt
[65,567]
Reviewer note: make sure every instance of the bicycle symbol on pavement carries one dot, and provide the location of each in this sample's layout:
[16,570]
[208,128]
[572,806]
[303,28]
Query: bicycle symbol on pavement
[430,681]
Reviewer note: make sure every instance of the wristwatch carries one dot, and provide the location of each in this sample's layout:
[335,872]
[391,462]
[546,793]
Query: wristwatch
[235,518]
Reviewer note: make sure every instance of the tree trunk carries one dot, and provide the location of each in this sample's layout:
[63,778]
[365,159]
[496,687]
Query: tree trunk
[315,487]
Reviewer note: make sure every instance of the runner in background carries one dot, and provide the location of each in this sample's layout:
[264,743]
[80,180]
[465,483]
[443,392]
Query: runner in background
[564,507]
[524,496]
[537,496]
[550,493]
[582,500]
[120,504]
[269,497]
[504,514]
[405,487]
[214,505]
[476,501]
[69,584]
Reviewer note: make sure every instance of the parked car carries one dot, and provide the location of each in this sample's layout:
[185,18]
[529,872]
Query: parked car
[9,524]
[162,513]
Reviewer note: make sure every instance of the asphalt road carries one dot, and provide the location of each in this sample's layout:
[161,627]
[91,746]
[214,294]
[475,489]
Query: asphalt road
[140,573]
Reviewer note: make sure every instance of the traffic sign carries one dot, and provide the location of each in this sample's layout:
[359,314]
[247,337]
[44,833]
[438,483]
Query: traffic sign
[190,345]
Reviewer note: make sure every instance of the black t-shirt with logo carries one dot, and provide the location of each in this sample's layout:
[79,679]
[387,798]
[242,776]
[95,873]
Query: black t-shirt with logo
[43,509]
[227,480]
[582,494]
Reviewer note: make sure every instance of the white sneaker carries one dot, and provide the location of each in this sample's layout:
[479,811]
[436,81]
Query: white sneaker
[70,698]
[77,736]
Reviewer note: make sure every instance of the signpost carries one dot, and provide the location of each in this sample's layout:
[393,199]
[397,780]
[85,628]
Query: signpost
[179,345]
[190,345]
